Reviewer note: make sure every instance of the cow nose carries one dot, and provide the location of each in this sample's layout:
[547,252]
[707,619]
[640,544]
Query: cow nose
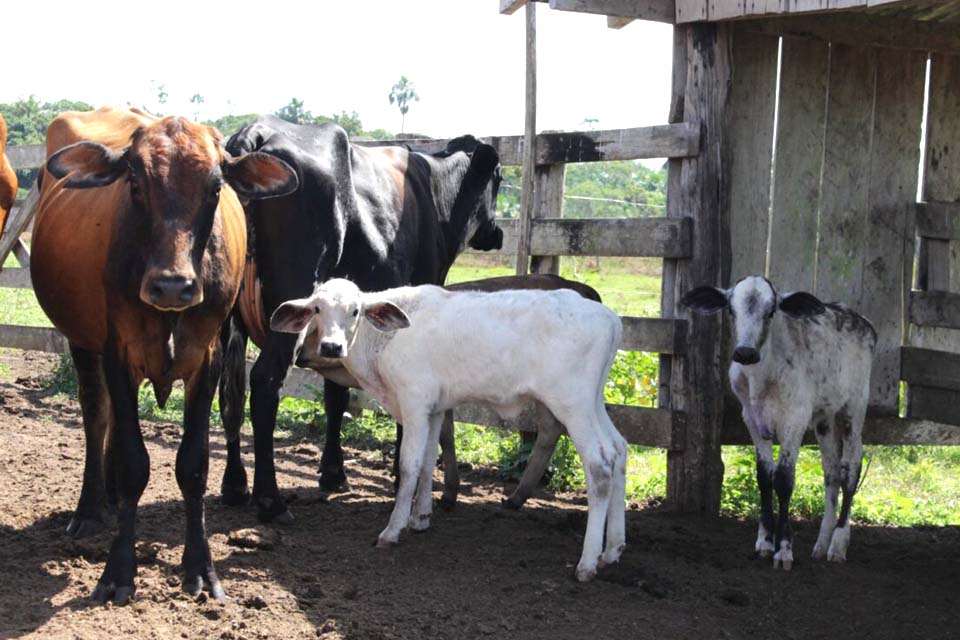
[331,349]
[172,292]
[746,355]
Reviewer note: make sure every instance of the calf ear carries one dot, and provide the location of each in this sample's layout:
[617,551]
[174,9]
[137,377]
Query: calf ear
[706,300]
[386,316]
[259,175]
[88,164]
[801,305]
[485,160]
[292,316]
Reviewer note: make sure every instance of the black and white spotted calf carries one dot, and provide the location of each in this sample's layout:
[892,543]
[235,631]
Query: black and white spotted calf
[797,363]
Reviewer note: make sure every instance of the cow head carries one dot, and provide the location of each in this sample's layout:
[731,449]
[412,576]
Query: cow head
[335,311]
[174,171]
[476,200]
[753,303]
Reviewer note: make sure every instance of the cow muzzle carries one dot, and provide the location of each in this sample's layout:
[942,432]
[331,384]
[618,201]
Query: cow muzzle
[332,349]
[171,292]
[490,241]
[746,355]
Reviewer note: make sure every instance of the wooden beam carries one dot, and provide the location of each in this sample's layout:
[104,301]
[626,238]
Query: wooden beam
[939,220]
[654,10]
[657,335]
[15,278]
[859,29]
[930,368]
[935,309]
[528,178]
[509,7]
[624,237]
[17,222]
[938,405]
[27,156]
[32,339]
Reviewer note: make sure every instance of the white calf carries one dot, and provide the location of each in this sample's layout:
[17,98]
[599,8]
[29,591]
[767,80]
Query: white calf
[808,366]
[501,349]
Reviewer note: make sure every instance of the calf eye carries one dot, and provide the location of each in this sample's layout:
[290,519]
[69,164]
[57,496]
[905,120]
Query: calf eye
[356,312]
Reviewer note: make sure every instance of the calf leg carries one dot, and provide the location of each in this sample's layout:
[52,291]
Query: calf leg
[548,432]
[233,395]
[266,379]
[335,400]
[92,512]
[411,458]
[616,511]
[193,461]
[765,470]
[830,459]
[451,473]
[423,503]
[850,428]
[131,464]
[783,480]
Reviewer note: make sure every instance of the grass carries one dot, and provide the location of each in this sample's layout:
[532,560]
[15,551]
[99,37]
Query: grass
[904,486]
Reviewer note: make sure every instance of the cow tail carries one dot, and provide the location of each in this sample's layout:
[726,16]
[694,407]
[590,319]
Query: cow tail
[233,380]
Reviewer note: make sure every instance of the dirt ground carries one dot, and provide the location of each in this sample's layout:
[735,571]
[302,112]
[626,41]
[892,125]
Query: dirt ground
[478,572]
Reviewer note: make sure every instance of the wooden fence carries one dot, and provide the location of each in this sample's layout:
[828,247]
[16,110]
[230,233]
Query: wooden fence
[551,235]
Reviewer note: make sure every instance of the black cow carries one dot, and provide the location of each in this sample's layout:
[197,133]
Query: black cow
[380,216]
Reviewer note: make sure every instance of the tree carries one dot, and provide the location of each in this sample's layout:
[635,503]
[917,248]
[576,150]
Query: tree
[197,100]
[294,112]
[402,94]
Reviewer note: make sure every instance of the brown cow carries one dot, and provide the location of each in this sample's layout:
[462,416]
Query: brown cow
[8,179]
[138,252]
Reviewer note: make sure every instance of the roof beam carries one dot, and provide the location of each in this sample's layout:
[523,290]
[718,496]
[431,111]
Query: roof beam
[509,7]
[655,10]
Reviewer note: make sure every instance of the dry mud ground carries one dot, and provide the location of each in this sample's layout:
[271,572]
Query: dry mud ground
[479,572]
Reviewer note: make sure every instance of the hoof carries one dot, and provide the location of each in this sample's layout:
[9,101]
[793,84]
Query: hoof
[273,510]
[109,592]
[586,575]
[197,584]
[818,552]
[233,497]
[511,504]
[419,524]
[384,542]
[783,559]
[447,503]
[333,479]
[611,556]
[836,557]
[84,527]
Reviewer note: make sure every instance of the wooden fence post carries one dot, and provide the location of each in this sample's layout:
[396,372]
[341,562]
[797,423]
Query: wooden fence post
[695,472]
[528,182]
[548,203]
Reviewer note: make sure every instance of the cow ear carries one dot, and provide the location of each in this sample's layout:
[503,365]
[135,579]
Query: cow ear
[259,175]
[485,160]
[386,316]
[88,164]
[706,300]
[801,305]
[293,316]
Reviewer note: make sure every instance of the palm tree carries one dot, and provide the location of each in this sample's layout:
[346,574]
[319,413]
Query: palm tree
[401,94]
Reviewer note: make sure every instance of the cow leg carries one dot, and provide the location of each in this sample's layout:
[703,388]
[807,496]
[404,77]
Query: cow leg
[451,472]
[850,428]
[423,502]
[548,432]
[396,458]
[411,459]
[92,509]
[830,459]
[233,395]
[266,379]
[131,465]
[335,400]
[783,480]
[765,470]
[193,462]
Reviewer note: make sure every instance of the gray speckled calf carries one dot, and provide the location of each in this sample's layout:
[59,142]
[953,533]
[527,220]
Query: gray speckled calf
[806,366]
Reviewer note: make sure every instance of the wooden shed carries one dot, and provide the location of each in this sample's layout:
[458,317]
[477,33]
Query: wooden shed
[829,160]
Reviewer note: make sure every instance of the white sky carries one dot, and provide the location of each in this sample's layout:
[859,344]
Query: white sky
[466,60]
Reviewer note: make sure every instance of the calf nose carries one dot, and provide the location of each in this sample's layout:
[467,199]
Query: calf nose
[171,292]
[746,355]
[331,349]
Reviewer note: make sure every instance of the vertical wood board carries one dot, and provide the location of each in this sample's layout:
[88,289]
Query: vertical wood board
[844,185]
[798,159]
[749,129]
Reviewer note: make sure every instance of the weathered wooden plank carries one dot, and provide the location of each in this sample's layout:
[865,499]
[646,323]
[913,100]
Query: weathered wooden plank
[17,222]
[658,335]
[528,181]
[654,10]
[845,176]
[695,475]
[938,405]
[548,202]
[27,156]
[939,220]
[639,425]
[893,160]
[858,29]
[749,129]
[616,22]
[508,7]
[935,309]
[725,9]
[798,161]
[15,279]
[32,338]
[691,11]
[931,368]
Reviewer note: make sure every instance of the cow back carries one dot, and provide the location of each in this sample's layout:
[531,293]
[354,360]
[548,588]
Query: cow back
[8,179]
